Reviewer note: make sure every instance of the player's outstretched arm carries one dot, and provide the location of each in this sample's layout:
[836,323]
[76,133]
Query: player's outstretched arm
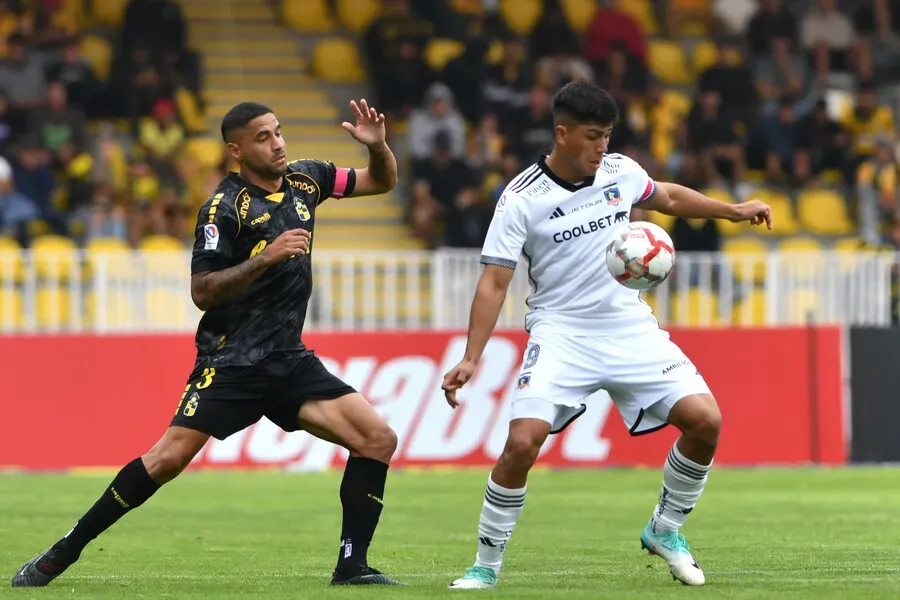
[381,174]
[214,288]
[680,201]
[489,297]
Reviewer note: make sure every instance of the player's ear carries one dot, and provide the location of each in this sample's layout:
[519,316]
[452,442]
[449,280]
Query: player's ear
[561,132]
[233,151]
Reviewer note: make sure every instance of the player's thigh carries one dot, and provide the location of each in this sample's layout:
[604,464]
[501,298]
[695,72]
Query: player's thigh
[648,374]
[557,374]
[316,400]
[220,401]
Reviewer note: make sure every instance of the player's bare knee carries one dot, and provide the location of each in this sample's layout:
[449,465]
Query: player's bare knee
[165,461]
[380,443]
[705,427]
[521,451]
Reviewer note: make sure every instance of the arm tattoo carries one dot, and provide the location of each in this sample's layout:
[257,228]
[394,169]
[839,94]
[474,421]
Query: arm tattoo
[213,288]
[383,166]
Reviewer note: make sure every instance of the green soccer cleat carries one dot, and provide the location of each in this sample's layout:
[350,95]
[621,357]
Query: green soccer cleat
[476,578]
[673,548]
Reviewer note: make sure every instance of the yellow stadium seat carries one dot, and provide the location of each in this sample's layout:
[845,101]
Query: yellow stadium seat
[579,14]
[852,245]
[118,311]
[309,16]
[108,12]
[747,257]
[98,53]
[705,55]
[802,306]
[113,255]
[678,102]
[667,63]
[643,12]
[55,257]
[168,310]
[11,264]
[54,308]
[694,308]
[12,315]
[337,60]
[663,220]
[800,244]
[440,51]
[751,311]
[824,211]
[208,152]
[783,221]
[357,15]
[521,15]
[189,111]
[164,243]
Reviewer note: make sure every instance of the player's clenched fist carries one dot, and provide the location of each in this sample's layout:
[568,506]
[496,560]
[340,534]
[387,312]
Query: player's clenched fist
[455,378]
[288,244]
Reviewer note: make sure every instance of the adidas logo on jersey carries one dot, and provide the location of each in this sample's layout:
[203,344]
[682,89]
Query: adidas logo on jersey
[557,213]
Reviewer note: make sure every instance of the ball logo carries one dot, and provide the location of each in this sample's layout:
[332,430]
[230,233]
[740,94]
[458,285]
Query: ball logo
[211,233]
[612,195]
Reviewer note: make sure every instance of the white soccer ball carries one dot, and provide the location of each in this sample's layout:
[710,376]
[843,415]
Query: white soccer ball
[640,256]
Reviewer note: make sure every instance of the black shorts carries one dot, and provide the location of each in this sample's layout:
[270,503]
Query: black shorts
[221,401]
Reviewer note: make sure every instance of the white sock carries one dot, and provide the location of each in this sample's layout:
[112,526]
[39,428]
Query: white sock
[683,482]
[499,513]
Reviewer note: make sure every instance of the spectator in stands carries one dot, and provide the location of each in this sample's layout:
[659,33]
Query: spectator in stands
[440,115]
[486,145]
[465,75]
[696,235]
[135,84]
[507,84]
[6,132]
[16,209]
[158,21]
[532,133]
[773,20]
[144,215]
[878,45]
[405,77]
[733,82]
[509,168]
[780,140]
[559,66]
[713,142]
[876,187]
[52,26]
[23,80]
[10,23]
[552,34]
[865,122]
[827,36]
[445,191]
[734,15]
[59,128]
[613,27]
[33,175]
[103,218]
[82,86]
[783,72]
[821,144]
[162,140]
[623,78]
[395,25]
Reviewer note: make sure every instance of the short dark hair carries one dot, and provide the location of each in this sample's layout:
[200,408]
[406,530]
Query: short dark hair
[585,102]
[240,115]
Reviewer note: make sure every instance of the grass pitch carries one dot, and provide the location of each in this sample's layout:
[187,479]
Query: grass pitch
[801,533]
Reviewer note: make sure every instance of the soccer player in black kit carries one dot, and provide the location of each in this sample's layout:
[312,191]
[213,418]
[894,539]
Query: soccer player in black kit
[251,274]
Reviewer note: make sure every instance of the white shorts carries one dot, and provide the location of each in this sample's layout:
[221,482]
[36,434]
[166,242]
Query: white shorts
[644,373]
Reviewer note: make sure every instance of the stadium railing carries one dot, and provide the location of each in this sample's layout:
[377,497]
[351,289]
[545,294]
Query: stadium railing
[149,291]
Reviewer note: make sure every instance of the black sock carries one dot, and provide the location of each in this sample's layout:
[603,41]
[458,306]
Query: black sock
[130,488]
[362,496]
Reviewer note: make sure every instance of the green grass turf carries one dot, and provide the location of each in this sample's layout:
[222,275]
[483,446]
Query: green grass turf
[801,533]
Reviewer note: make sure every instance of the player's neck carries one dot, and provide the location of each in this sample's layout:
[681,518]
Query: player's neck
[270,185]
[563,168]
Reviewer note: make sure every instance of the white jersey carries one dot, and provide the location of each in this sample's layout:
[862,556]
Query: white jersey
[562,230]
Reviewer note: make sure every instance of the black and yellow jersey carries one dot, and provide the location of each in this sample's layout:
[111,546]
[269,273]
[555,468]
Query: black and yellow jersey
[238,222]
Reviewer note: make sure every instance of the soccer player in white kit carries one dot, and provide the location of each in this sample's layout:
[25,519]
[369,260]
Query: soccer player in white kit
[588,332]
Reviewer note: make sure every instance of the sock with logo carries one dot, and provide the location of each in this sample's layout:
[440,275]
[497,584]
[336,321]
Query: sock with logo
[499,513]
[129,489]
[362,498]
[683,482]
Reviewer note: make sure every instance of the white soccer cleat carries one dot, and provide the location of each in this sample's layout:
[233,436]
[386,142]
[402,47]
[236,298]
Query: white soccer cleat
[673,548]
[476,578]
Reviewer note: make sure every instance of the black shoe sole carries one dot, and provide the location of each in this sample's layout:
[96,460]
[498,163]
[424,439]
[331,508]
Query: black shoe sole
[372,579]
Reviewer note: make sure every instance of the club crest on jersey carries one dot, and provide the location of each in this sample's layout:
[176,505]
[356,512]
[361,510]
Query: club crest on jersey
[524,380]
[302,211]
[211,233]
[612,195]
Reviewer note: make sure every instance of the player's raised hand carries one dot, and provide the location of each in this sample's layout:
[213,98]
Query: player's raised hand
[455,378]
[369,127]
[288,244]
[754,211]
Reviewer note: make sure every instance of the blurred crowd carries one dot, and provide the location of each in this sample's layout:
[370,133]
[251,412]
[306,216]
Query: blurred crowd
[90,145]
[790,94]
